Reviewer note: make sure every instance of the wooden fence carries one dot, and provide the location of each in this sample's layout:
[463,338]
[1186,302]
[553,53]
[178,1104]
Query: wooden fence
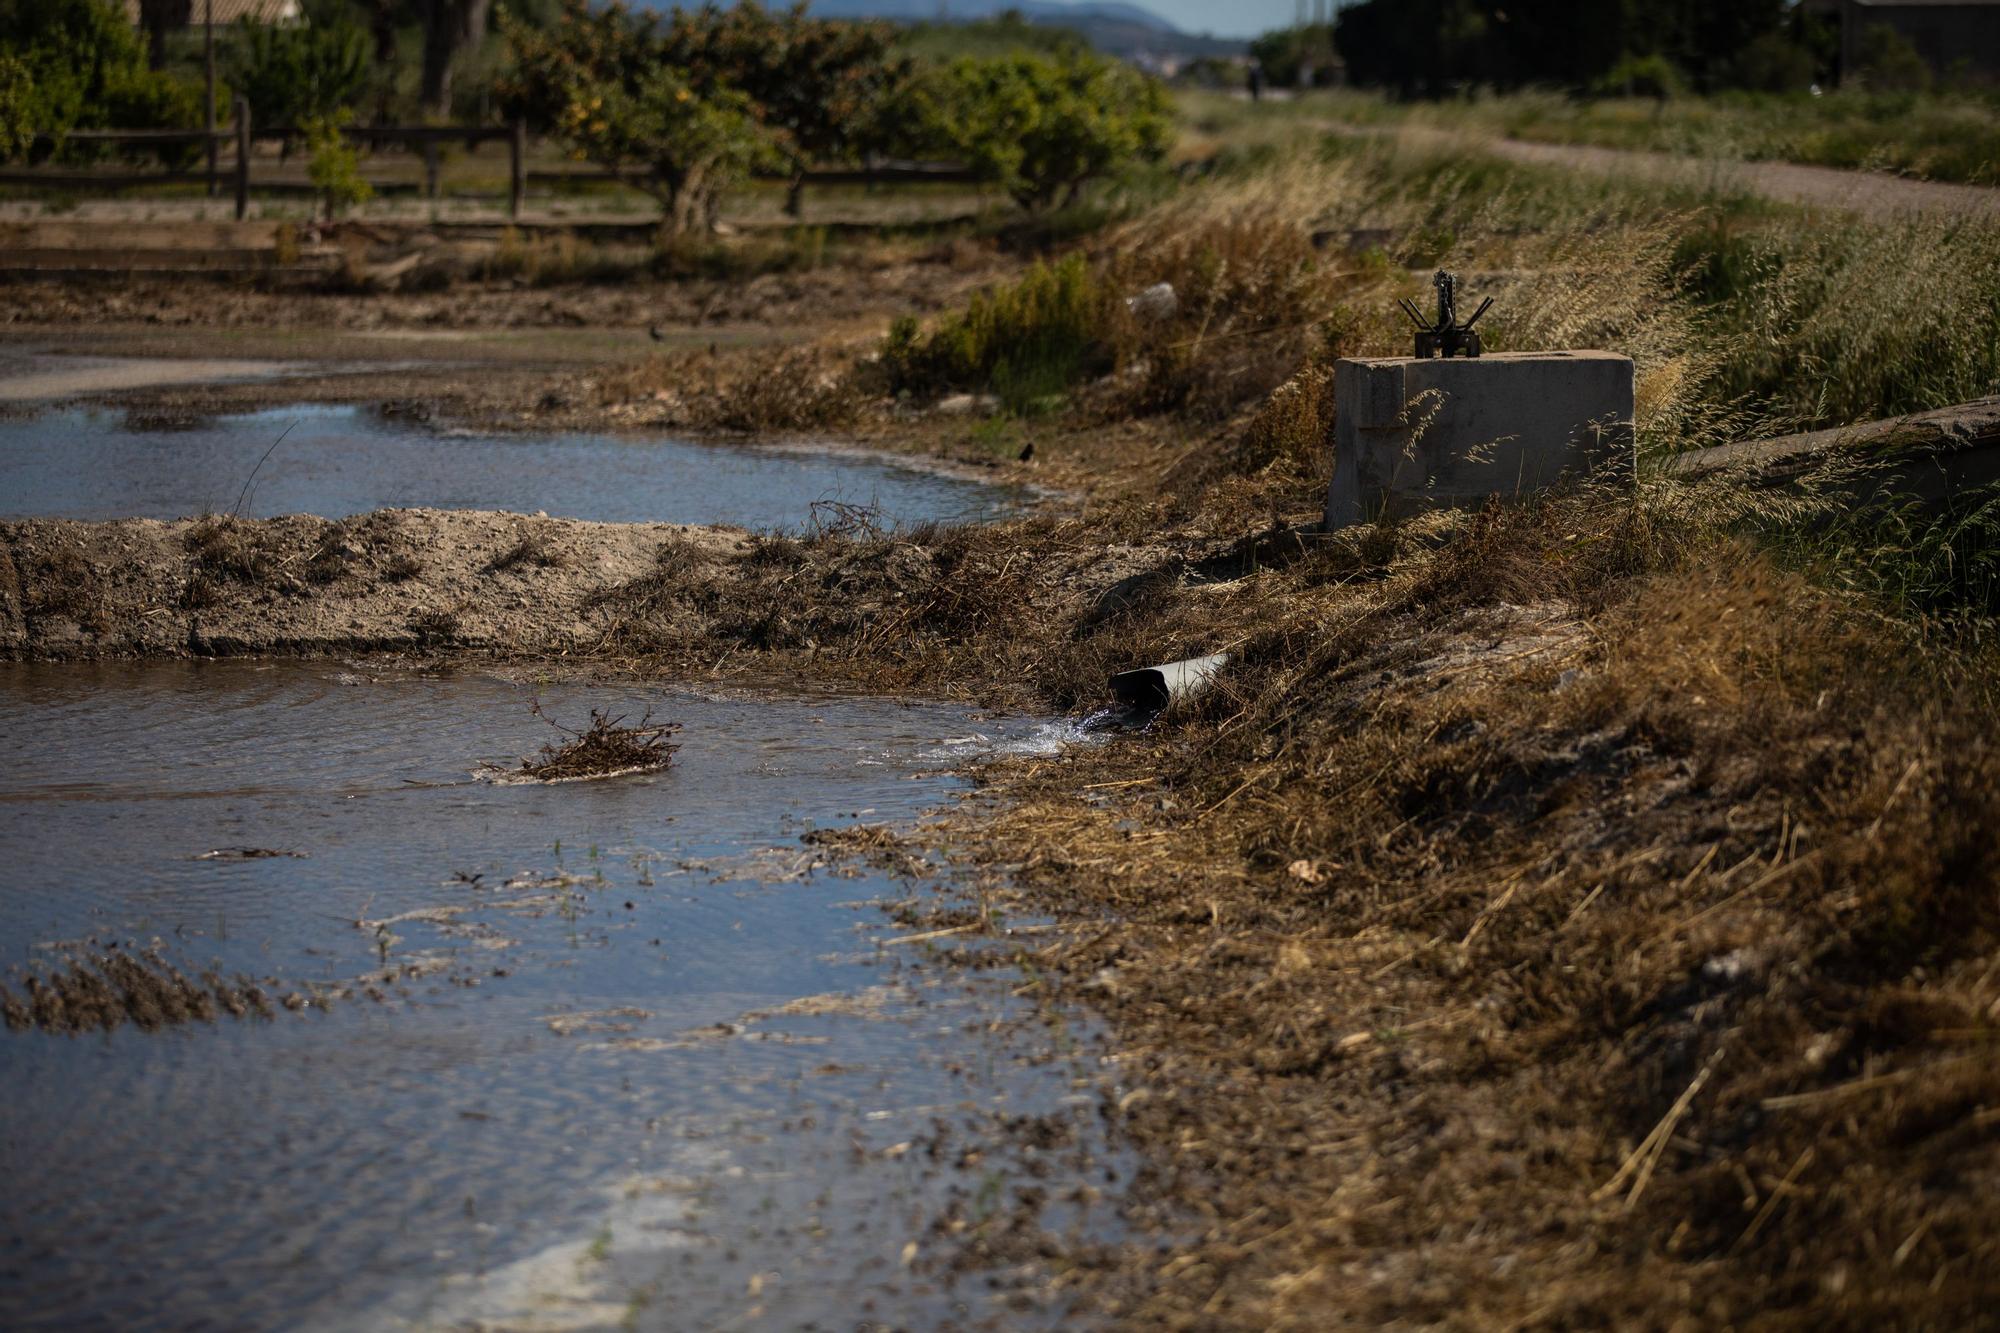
[429,140]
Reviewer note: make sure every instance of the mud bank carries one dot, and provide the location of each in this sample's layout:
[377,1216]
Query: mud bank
[393,580]
[941,609]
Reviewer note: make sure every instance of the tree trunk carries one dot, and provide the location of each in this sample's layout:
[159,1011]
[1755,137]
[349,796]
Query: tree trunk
[384,18]
[450,26]
[158,18]
[382,26]
[674,202]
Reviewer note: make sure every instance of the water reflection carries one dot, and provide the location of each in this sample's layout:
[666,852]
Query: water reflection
[337,461]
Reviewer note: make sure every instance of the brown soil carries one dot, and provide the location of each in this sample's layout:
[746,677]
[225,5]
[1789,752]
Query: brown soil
[397,580]
[879,281]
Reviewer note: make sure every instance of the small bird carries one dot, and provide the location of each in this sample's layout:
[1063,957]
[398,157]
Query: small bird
[658,337]
[1028,452]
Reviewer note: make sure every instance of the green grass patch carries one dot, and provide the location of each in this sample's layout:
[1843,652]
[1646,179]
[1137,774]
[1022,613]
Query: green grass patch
[1027,342]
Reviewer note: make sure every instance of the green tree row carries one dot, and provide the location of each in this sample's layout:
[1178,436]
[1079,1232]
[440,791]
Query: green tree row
[68,65]
[1432,48]
[681,106]
[78,65]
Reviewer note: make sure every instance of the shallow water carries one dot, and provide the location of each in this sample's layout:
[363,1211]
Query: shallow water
[640,1066]
[337,461]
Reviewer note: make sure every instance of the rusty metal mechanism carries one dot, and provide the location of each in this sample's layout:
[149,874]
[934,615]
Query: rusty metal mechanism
[1446,337]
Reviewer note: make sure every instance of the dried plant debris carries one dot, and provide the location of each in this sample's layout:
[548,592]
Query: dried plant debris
[246,854]
[104,990]
[533,549]
[606,748]
[876,844]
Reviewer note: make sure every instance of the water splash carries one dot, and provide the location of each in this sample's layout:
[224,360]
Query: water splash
[1046,738]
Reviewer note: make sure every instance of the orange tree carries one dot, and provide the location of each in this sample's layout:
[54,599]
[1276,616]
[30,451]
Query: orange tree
[1041,127]
[639,101]
[680,106]
[818,84]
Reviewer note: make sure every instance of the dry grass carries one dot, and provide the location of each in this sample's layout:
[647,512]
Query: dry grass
[533,549]
[224,550]
[436,626]
[62,584]
[1742,318]
[1561,913]
[761,391]
[400,567]
[1556,919]
[946,609]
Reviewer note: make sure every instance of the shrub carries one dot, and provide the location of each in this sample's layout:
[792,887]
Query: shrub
[688,147]
[77,64]
[139,98]
[1027,341]
[292,74]
[18,104]
[1887,62]
[1290,433]
[1040,127]
[68,50]
[335,165]
[1775,63]
[1640,76]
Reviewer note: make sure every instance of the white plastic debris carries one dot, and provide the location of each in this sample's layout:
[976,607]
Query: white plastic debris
[1157,302]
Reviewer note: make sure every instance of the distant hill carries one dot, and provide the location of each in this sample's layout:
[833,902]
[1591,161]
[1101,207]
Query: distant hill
[1039,11]
[1111,27]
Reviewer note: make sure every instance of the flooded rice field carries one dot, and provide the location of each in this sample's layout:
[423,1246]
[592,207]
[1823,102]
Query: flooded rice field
[612,1054]
[336,461]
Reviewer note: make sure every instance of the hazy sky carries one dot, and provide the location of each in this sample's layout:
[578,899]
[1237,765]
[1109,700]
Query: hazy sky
[1237,18]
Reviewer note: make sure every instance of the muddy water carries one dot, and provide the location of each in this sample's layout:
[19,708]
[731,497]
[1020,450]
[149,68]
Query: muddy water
[631,1060]
[337,461]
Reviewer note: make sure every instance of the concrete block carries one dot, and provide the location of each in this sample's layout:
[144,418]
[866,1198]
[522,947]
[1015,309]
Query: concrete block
[1413,434]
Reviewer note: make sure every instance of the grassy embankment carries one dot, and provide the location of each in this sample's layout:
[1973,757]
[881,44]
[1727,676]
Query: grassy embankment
[1582,911]
[1933,136]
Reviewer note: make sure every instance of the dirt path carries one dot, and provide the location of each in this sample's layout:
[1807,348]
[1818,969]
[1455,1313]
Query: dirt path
[1872,194]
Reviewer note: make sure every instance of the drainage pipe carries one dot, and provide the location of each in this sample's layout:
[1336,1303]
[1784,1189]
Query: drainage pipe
[1157,688]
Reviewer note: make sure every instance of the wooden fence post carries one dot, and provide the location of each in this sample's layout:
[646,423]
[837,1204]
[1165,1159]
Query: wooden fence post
[242,158]
[517,160]
[208,121]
